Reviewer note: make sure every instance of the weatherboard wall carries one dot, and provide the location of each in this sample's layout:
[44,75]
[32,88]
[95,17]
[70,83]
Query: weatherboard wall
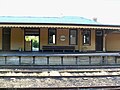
[0,38]
[43,37]
[113,42]
[17,38]
[62,32]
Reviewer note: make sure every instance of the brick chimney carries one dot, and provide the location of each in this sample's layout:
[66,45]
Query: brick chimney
[95,19]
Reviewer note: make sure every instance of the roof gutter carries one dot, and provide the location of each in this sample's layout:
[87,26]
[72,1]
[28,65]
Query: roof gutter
[59,25]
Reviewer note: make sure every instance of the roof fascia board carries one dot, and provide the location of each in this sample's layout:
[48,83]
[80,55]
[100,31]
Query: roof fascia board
[102,25]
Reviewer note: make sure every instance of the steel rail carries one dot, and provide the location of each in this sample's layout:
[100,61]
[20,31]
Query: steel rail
[66,88]
[88,76]
[60,71]
[59,66]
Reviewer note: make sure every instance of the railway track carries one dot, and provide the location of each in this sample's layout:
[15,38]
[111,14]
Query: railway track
[59,66]
[59,73]
[68,88]
[72,74]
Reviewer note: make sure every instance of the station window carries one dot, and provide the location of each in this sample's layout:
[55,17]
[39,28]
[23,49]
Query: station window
[73,37]
[86,37]
[52,36]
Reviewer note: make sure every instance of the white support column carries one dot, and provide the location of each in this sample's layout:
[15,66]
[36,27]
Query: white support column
[104,42]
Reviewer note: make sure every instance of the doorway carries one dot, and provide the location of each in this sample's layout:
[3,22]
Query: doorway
[99,40]
[6,39]
[31,43]
[32,40]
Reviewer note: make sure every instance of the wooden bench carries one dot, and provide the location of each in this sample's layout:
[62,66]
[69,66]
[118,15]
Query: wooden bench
[58,48]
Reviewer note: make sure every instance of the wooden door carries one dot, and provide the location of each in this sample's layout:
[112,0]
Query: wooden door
[6,39]
[99,40]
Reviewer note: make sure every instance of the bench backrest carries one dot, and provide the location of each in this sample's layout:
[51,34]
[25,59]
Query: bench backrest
[58,47]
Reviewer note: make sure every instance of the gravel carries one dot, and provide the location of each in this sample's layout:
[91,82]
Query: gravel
[57,73]
[57,82]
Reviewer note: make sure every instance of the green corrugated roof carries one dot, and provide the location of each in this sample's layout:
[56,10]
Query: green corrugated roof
[61,20]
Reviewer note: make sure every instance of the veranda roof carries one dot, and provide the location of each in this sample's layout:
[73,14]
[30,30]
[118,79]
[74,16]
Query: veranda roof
[53,22]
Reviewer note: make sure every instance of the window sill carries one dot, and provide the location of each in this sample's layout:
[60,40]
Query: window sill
[86,45]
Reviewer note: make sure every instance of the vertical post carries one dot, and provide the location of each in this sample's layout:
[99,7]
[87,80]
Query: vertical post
[103,60]
[61,60]
[33,60]
[19,60]
[5,60]
[90,60]
[76,60]
[47,60]
[106,60]
[104,41]
[115,60]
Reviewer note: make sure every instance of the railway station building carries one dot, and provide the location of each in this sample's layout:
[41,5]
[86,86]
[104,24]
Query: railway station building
[51,34]
[67,40]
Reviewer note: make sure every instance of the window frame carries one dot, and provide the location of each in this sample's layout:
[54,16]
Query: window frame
[49,36]
[83,32]
[76,43]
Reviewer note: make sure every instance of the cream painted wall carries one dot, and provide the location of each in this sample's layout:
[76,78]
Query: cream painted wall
[92,47]
[17,39]
[61,32]
[0,38]
[43,37]
[113,42]
[65,32]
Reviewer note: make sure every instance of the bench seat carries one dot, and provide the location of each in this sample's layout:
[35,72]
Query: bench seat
[57,48]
